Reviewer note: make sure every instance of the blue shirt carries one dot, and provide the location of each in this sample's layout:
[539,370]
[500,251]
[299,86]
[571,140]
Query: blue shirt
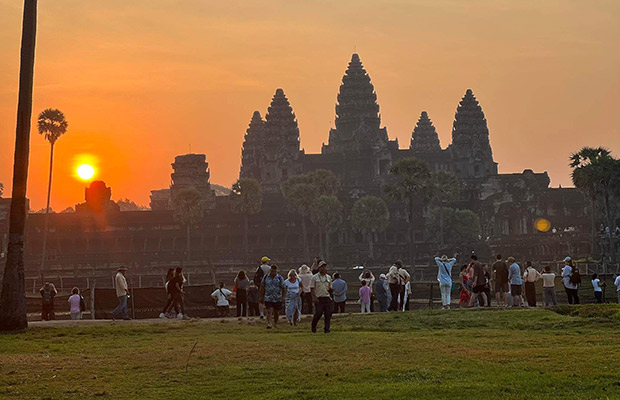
[514,274]
[273,288]
[340,290]
[444,274]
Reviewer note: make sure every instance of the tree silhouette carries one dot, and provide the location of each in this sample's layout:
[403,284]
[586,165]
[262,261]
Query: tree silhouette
[52,125]
[462,228]
[370,215]
[445,187]
[327,215]
[246,198]
[188,205]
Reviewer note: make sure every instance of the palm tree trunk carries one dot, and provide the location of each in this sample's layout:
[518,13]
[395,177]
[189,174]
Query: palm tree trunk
[441,226]
[188,244]
[593,227]
[47,213]
[305,237]
[612,247]
[371,253]
[13,298]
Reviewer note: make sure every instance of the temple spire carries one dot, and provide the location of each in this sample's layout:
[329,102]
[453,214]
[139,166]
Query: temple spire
[424,138]
[252,148]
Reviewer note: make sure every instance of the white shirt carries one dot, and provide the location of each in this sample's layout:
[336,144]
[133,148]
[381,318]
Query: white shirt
[617,282]
[595,285]
[222,296]
[566,273]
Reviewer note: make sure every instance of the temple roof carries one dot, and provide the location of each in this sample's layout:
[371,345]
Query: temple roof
[469,118]
[280,118]
[424,137]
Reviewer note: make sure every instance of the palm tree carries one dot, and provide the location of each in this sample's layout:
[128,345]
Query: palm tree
[52,125]
[327,215]
[411,180]
[370,215]
[300,192]
[246,198]
[188,205]
[13,298]
[445,187]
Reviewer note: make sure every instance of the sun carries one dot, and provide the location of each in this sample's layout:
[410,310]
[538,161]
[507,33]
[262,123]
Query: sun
[85,171]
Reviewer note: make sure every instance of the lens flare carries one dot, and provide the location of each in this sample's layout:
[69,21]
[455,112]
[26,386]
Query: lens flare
[542,225]
[85,171]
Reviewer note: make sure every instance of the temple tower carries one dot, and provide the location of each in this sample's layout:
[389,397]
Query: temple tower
[192,171]
[253,148]
[424,138]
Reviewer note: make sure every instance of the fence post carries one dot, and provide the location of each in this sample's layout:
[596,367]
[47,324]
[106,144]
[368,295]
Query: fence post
[92,300]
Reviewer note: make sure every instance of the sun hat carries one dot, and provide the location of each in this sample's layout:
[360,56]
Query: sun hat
[265,259]
[567,259]
[322,263]
[444,258]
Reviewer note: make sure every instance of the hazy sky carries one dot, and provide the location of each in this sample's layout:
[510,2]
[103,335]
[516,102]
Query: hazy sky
[139,81]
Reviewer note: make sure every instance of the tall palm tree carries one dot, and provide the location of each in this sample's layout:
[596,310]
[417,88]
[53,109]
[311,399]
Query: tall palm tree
[300,192]
[188,205]
[445,187]
[13,298]
[52,124]
[370,215]
[246,199]
[327,215]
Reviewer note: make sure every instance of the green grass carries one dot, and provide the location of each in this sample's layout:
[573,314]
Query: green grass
[520,354]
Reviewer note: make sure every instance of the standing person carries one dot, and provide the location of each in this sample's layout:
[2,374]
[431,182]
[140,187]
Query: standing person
[444,276]
[548,278]
[306,299]
[315,265]
[487,286]
[394,281]
[168,306]
[598,289]
[571,280]
[263,270]
[340,293]
[178,294]
[617,285]
[403,280]
[48,292]
[122,292]
[75,304]
[530,276]
[365,298]
[514,277]
[321,289]
[479,281]
[292,295]
[382,293]
[370,280]
[272,296]
[221,295]
[465,287]
[500,280]
[253,300]
[242,283]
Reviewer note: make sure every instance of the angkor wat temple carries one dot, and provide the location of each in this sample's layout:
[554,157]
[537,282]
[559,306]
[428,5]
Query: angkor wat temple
[360,153]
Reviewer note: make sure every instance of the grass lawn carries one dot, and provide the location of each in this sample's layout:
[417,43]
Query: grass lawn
[515,354]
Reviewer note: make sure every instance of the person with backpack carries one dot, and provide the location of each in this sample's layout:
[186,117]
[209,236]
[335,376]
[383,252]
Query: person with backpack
[444,276]
[48,292]
[76,304]
[571,280]
[263,270]
[221,295]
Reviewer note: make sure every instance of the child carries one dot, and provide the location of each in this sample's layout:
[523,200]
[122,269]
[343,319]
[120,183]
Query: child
[365,297]
[75,301]
[598,291]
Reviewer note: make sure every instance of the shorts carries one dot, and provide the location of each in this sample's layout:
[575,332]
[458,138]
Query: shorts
[479,288]
[273,304]
[515,290]
[501,287]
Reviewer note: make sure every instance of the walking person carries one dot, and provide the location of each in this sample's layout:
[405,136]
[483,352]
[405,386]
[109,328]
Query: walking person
[263,270]
[465,281]
[122,292]
[479,282]
[598,288]
[382,293]
[168,306]
[48,292]
[221,296]
[340,293]
[444,276]
[76,302]
[530,276]
[364,298]
[500,281]
[394,281]
[292,296]
[514,277]
[370,282]
[571,280]
[306,298]
[242,284]
[272,296]
[548,278]
[178,293]
[321,290]
[253,310]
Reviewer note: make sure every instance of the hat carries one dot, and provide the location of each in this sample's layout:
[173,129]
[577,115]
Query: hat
[322,263]
[382,276]
[265,259]
[567,259]
[122,268]
[444,258]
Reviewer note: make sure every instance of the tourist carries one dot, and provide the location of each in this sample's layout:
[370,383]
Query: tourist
[394,281]
[315,265]
[617,285]
[404,307]
[365,297]
[178,294]
[370,282]
[48,292]
[253,310]
[321,290]
[221,295]
[263,270]
[272,296]
[340,293]
[465,294]
[530,276]
[444,276]
[242,283]
[168,306]
[122,292]
[598,289]
[514,277]
[571,279]
[548,278]
[306,299]
[500,281]
[404,278]
[292,295]
[382,292]
[487,285]
[75,304]
[479,281]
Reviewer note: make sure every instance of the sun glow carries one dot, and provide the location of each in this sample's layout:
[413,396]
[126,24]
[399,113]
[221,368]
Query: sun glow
[85,171]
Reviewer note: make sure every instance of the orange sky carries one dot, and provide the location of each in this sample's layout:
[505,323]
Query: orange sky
[139,81]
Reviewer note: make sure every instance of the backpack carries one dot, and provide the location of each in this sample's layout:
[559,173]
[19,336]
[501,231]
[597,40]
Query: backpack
[575,277]
[258,276]
[82,304]
[47,296]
